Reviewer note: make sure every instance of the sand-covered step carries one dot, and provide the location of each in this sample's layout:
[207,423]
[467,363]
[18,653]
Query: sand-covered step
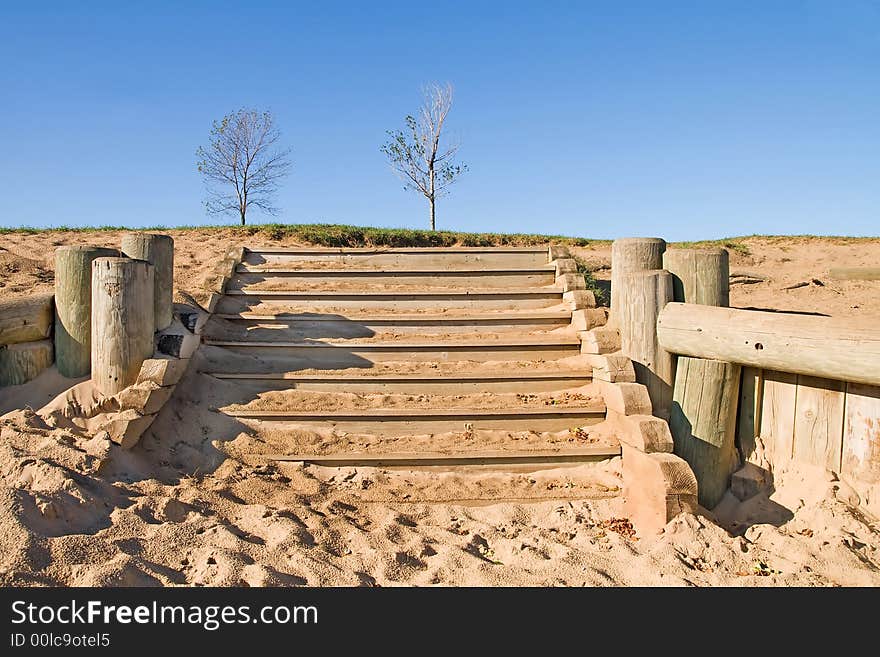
[414,384]
[399,258]
[390,421]
[238,301]
[460,458]
[285,278]
[317,326]
[355,353]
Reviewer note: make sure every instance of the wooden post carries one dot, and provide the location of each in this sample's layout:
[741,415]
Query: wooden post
[122,321]
[73,307]
[632,254]
[643,294]
[699,275]
[26,319]
[158,250]
[19,363]
[703,423]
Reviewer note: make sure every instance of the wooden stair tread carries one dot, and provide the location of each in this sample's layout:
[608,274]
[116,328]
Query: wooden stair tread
[467,376]
[402,317]
[459,458]
[502,292]
[436,345]
[596,407]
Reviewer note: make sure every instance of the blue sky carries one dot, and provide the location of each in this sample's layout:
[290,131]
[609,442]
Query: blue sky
[685,120]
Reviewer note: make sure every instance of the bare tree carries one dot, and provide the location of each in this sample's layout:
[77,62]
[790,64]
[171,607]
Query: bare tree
[415,152]
[242,165]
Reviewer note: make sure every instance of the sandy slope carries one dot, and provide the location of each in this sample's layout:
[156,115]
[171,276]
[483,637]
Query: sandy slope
[191,506]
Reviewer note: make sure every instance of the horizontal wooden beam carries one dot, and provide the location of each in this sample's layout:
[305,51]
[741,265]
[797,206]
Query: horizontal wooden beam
[425,459]
[826,347]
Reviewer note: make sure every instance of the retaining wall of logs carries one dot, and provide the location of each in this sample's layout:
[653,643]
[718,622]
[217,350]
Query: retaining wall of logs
[745,392]
[111,319]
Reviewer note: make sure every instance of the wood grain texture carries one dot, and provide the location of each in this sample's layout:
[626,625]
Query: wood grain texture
[749,416]
[642,295]
[818,424]
[855,273]
[158,250]
[19,363]
[73,307]
[700,276]
[703,423]
[861,433]
[777,415]
[786,342]
[631,254]
[122,321]
[26,320]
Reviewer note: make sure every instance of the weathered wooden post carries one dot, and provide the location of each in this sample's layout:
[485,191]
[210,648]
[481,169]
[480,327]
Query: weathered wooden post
[73,307]
[699,275]
[703,423]
[158,250]
[122,321]
[643,294]
[706,392]
[631,254]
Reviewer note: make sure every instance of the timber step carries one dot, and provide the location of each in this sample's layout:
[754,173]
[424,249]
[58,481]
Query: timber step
[397,421]
[414,294]
[237,301]
[427,459]
[427,351]
[398,320]
[414,384]
[404,258]
[252,277]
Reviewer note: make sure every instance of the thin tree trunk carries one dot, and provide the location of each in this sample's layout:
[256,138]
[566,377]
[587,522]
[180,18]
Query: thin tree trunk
[432,198]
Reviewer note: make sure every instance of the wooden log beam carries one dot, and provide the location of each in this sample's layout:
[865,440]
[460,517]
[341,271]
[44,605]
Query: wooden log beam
[122,321]
[803,344]
[855,273]
[631,254]
[158,250]
[19,363]
[703,423]
[699,275]
[26,320]
[642,295]
[73,307]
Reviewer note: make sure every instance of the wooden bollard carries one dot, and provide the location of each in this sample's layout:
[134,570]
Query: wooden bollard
[122,321]
[631,254]
[73,307]
[703,422]
[642,295]
[699,275]
[158,250]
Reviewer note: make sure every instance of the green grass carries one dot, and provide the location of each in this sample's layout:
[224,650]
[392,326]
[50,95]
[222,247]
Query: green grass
[337,235]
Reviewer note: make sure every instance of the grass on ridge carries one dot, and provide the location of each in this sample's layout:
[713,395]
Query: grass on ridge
[338,235]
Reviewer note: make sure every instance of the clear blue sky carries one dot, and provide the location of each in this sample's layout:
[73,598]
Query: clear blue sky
[682,119]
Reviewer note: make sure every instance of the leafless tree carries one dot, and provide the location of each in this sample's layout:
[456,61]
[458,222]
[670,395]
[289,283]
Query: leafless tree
[243,165]
[415,152]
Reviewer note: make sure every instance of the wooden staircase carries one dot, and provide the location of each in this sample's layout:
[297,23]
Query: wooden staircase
[339,356]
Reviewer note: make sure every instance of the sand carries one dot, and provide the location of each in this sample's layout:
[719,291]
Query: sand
[194,504]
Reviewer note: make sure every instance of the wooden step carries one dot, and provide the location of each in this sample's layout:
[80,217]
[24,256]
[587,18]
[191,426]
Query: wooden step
[238,301]
[354,354]
[298,279]
[397,421]
[414,384]
[463,458]
[298,327]
[404,258]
